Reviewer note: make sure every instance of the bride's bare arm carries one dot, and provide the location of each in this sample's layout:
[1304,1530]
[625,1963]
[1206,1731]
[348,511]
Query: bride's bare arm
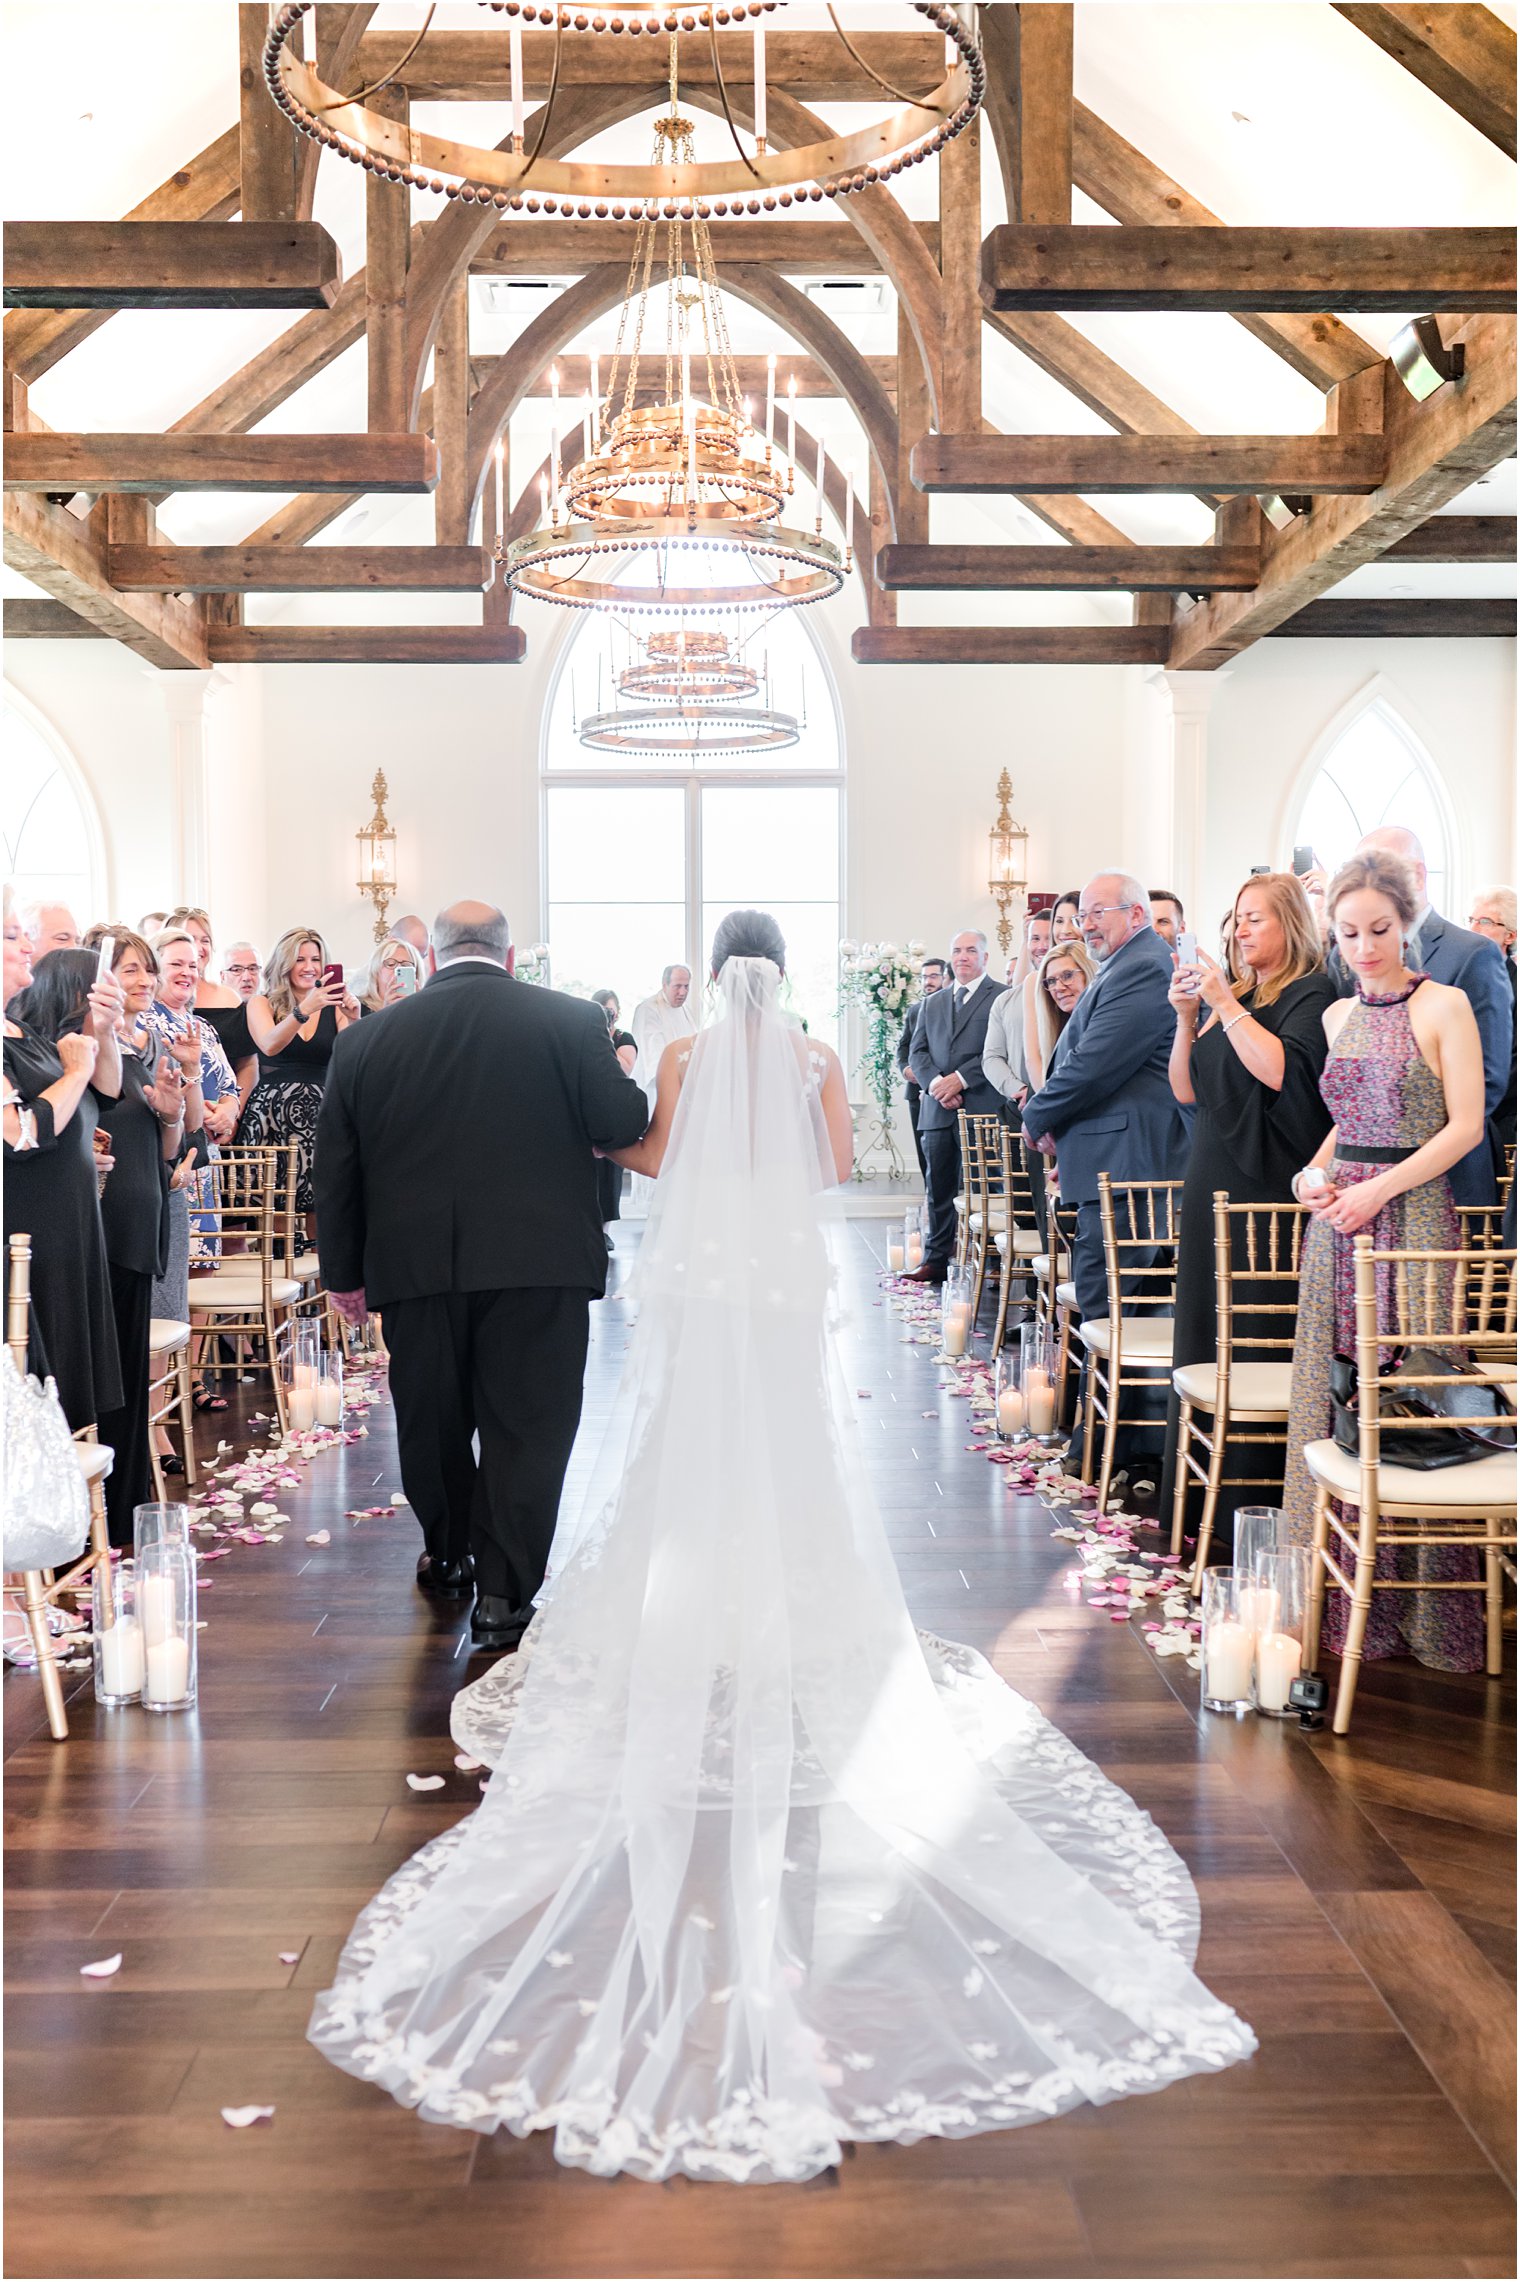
[836,1116]
[648,1155]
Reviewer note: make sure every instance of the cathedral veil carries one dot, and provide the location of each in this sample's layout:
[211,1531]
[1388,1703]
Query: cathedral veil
[759,1868]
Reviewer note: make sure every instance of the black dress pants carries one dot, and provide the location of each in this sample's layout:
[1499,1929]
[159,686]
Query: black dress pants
[918,1146]
[942,1177]
[125,1431]
[508,1366]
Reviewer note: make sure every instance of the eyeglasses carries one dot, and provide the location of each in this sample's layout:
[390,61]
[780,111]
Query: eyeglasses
[236,967]
[1097,911]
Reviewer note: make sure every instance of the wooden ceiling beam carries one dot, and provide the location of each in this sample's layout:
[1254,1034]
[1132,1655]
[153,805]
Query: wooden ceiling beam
[23,620]
[298,570]
[1404,618]
[1456,539]
[64,554]
[1131,187]
[545,246]
[110,463]
[387,254]
[497,645]
[1465,55]
[1028,104]
[813,67]
[791,364]
[266,139]
[170,265]
[1038,569]
[1100,464]
[1009,645]
[960,241]
[205,189]
[339,29]
[1434,449]
[1045,266]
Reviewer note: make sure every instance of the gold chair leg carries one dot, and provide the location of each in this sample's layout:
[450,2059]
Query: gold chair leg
[186,1413]
[1115,1395]
[154,1459]
[1314,1614]
[1494,1600]
[1179,1486]
[1063,1360]
[276,1380]
[1005,1292]
[42,1642]
[1210,1500]
[1089,1420]
[1356,1628]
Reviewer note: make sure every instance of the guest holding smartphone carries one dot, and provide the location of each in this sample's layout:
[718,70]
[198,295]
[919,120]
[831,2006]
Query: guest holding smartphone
[293,1022]
[394,970]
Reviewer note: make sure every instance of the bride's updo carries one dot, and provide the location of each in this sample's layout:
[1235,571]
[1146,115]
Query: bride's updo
[748,935]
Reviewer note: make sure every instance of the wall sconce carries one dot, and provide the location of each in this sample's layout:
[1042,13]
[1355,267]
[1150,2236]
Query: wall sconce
[1007,862]
[377,856]
[1422,360]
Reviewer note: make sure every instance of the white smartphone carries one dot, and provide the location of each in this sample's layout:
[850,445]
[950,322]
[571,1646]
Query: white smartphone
[1187,956]
[107,953]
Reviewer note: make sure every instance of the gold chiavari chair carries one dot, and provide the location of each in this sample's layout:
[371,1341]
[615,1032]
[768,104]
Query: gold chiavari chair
[1242,1399]
[1507,1176]
[40,1590]
[1457,1307]
[1130,1347]
[247,1296]
[1017,1239]
[982,1213]
[169,1390]
[1055,1295]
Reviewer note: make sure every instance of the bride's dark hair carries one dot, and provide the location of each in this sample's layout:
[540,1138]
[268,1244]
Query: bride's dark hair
[748,935]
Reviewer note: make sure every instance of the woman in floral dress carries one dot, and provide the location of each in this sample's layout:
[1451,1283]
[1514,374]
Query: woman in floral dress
[1404,1083]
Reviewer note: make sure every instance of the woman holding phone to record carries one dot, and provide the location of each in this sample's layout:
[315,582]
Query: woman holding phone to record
[293,1022]
[1247,1053]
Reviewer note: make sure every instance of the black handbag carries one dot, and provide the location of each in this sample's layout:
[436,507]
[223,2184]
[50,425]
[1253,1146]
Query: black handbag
[1425,1449]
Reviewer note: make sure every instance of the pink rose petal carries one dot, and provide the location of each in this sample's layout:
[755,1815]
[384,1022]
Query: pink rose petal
[320,1537]
[425,1782]
[241,2118]
[102,1969]
[290,1957]
[467,1766]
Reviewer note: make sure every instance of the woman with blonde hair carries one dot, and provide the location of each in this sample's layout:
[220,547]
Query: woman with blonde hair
[1065,972]
[217,1003]
[384,977]
[293,1022]
[1246,1059]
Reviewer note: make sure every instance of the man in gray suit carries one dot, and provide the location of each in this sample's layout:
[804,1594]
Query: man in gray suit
[946,1059]
[1472,963]
[1107,1102]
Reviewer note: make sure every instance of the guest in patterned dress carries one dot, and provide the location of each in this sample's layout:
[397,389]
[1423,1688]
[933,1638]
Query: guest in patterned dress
[293,1022]
[1404,1082]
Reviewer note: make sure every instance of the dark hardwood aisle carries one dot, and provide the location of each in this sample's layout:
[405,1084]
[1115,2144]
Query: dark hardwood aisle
[1358,1909]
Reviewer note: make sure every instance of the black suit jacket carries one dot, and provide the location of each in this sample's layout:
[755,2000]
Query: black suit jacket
[949,1037]
[454,1144]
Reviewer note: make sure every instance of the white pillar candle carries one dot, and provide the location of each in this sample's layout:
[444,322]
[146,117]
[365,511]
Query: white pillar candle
[596,404]
[1227,1662]
[1010,1411]
[554,437]
[915,1251]
[329,1403]
[501,489]
[849,511]
[957,1327]
[818,490]
[760,112]
[770,403]
[1258,1607]
[791,416]
[155,1608]
[121,1658]
[894,1258]
[515,65]
[1278,1657]
[302,1406]
[168,1678]
[1042,1409]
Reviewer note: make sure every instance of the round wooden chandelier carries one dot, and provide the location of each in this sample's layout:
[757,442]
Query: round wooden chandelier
[690,697]
[755,180]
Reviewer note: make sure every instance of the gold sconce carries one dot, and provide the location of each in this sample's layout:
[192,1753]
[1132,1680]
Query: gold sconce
[1007,862]
[377,856]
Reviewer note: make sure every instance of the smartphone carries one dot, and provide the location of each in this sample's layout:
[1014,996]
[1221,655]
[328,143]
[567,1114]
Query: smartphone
[1187,950]
[102,1141]
[332,976]
[106,954]
[1303,861]
[406,982]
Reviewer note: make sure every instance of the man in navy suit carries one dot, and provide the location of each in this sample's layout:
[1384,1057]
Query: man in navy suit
[1107,1102]
[946,1059]
[1472,963]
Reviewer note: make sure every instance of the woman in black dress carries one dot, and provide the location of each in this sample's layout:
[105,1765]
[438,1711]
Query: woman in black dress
[294,1021]
[1247,1054]
[609,1177]
[51,1190]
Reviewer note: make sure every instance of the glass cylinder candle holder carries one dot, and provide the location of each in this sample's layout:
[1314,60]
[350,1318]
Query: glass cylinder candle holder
[118,1634]
[1008,1397]
[914,1229]
[1282,1580]
[1037,1377]
[330,1387]
[1229,1645]
[955,1312]
[303,1365]
[166,1614]
[1258,1531]
[166,1524]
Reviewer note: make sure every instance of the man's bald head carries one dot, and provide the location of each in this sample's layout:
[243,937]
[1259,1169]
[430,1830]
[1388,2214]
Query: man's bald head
[1398,840]
[471,931]
[409,928]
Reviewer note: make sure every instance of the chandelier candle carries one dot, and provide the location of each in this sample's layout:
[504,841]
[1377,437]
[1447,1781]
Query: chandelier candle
[515,64]
[554,436]
[760,117]
[596,404]
[770,394]
[501,492]
[818,492]
[791,425]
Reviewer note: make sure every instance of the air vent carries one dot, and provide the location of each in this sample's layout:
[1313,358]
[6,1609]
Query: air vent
[847,297]
[508,296]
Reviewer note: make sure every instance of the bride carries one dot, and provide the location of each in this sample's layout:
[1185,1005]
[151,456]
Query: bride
[760,1869]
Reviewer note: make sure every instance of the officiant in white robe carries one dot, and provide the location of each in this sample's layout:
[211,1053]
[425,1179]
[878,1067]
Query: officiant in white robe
[657,1021]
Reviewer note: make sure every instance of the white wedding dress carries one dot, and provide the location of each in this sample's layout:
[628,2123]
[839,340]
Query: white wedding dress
[760,1869]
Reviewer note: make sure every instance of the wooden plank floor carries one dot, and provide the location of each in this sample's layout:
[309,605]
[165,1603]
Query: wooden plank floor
[1358,1906]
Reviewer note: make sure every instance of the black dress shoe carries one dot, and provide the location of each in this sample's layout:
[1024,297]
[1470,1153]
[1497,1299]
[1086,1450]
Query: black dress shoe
[929,1273]
[495,1624]
[451,1577]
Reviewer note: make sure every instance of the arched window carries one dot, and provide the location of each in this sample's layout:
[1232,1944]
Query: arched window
[50,836]
[642,858]
[1376,772]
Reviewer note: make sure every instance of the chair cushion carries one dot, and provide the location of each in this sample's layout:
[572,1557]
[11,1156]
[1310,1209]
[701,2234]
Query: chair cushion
[235,1291]
[1024,1241]
[1147,1338]
[166,1337]
[1257,1390]
[1042,1266]
[1066,1295]
[95,1459]
[305,1267]
[1488,1485]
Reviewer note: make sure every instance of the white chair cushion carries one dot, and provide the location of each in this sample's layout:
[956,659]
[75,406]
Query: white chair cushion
[1257,1390]
[1147,1338]
[1024,1241]
[166,1337]
[236,1291]
[1042,1265]
[95,1459]
[998,1216]
[1488,1485]
[305,1267]
[1066,1295]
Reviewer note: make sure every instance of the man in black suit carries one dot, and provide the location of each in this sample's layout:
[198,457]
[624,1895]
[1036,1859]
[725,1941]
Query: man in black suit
[457,1192]
[1471,963]
[1493,915]
[931,979]
[945,1055]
